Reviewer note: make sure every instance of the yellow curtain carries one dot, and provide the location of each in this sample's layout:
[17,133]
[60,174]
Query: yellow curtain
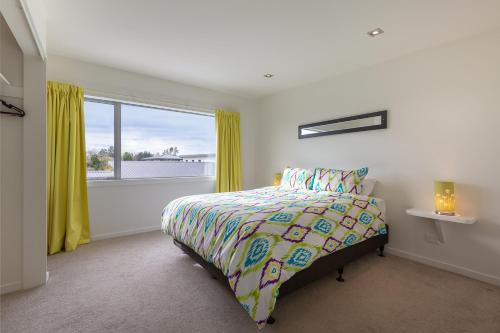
[67,206]
[228,173]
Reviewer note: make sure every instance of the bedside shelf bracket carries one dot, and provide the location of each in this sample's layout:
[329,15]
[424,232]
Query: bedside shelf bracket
[439,231]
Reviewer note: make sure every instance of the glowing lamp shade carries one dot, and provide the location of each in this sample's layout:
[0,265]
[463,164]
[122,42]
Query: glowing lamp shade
[444,197]
[277,179]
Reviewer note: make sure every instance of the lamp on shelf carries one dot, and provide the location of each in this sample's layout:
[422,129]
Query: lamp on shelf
[277,179]
[444,197]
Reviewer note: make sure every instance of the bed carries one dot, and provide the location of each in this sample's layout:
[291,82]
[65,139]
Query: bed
[268,242]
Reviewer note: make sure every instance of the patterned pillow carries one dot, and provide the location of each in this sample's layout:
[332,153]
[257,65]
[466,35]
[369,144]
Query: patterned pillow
[339,180]
[297,178]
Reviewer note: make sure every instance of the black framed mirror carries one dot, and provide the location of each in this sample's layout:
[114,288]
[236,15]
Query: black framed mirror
[362,122]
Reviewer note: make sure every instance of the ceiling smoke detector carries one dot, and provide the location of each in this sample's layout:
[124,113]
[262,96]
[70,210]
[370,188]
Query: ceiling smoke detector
[268,75]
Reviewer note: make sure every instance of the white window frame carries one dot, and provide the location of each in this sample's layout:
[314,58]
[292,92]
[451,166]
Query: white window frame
[117,106]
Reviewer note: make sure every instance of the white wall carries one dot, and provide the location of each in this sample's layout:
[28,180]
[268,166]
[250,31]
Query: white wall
[11,166]
[34,173]
[132,206]
[444,117]
[22,169]
[117,209]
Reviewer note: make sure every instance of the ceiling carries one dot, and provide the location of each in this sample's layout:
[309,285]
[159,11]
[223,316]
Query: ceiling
[228,45]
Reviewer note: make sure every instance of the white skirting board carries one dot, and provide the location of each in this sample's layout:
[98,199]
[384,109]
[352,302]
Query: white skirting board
[495,280]
[10,287]
[124,233]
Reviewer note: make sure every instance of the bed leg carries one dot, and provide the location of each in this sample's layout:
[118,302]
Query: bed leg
[270,320]
[341,271]
[381,251]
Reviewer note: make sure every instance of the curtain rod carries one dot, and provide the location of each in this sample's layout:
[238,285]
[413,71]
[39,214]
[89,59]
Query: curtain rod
[151,102]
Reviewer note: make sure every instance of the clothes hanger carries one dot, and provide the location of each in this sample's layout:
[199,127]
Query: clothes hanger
[17,111]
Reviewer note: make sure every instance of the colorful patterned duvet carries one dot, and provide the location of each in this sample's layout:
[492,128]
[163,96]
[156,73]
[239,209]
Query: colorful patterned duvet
[259,239]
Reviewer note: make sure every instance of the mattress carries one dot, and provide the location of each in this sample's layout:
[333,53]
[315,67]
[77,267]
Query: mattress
[260,238]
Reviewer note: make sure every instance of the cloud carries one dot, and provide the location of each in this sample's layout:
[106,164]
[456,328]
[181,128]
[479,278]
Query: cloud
[146,129]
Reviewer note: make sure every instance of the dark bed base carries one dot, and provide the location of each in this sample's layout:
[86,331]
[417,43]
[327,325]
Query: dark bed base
[317,270]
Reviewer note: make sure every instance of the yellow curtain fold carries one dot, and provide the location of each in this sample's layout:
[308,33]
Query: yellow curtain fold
[67,205]
[228,165]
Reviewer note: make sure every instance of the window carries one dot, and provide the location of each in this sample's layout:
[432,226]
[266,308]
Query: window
[99,138]
[126,141]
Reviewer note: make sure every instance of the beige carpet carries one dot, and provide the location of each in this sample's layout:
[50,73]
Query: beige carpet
[145,284]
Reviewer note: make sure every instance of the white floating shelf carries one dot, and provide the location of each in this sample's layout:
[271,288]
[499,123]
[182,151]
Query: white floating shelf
[438,219]
[4,79]
[8,90]
[434,216]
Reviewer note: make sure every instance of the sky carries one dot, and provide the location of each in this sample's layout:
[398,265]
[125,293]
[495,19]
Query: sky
[146,129]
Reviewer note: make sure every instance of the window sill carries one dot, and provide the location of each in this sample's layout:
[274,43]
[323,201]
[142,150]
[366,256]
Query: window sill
[147,181]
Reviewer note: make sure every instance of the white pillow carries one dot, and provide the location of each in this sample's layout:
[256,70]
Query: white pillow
[367,186]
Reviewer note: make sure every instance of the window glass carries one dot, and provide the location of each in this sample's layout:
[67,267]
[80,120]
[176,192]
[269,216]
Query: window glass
[99,138]
[155,142]
[163,143]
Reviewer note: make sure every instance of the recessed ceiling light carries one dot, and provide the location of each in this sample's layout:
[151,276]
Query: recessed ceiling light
[375,32]
[268,75]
